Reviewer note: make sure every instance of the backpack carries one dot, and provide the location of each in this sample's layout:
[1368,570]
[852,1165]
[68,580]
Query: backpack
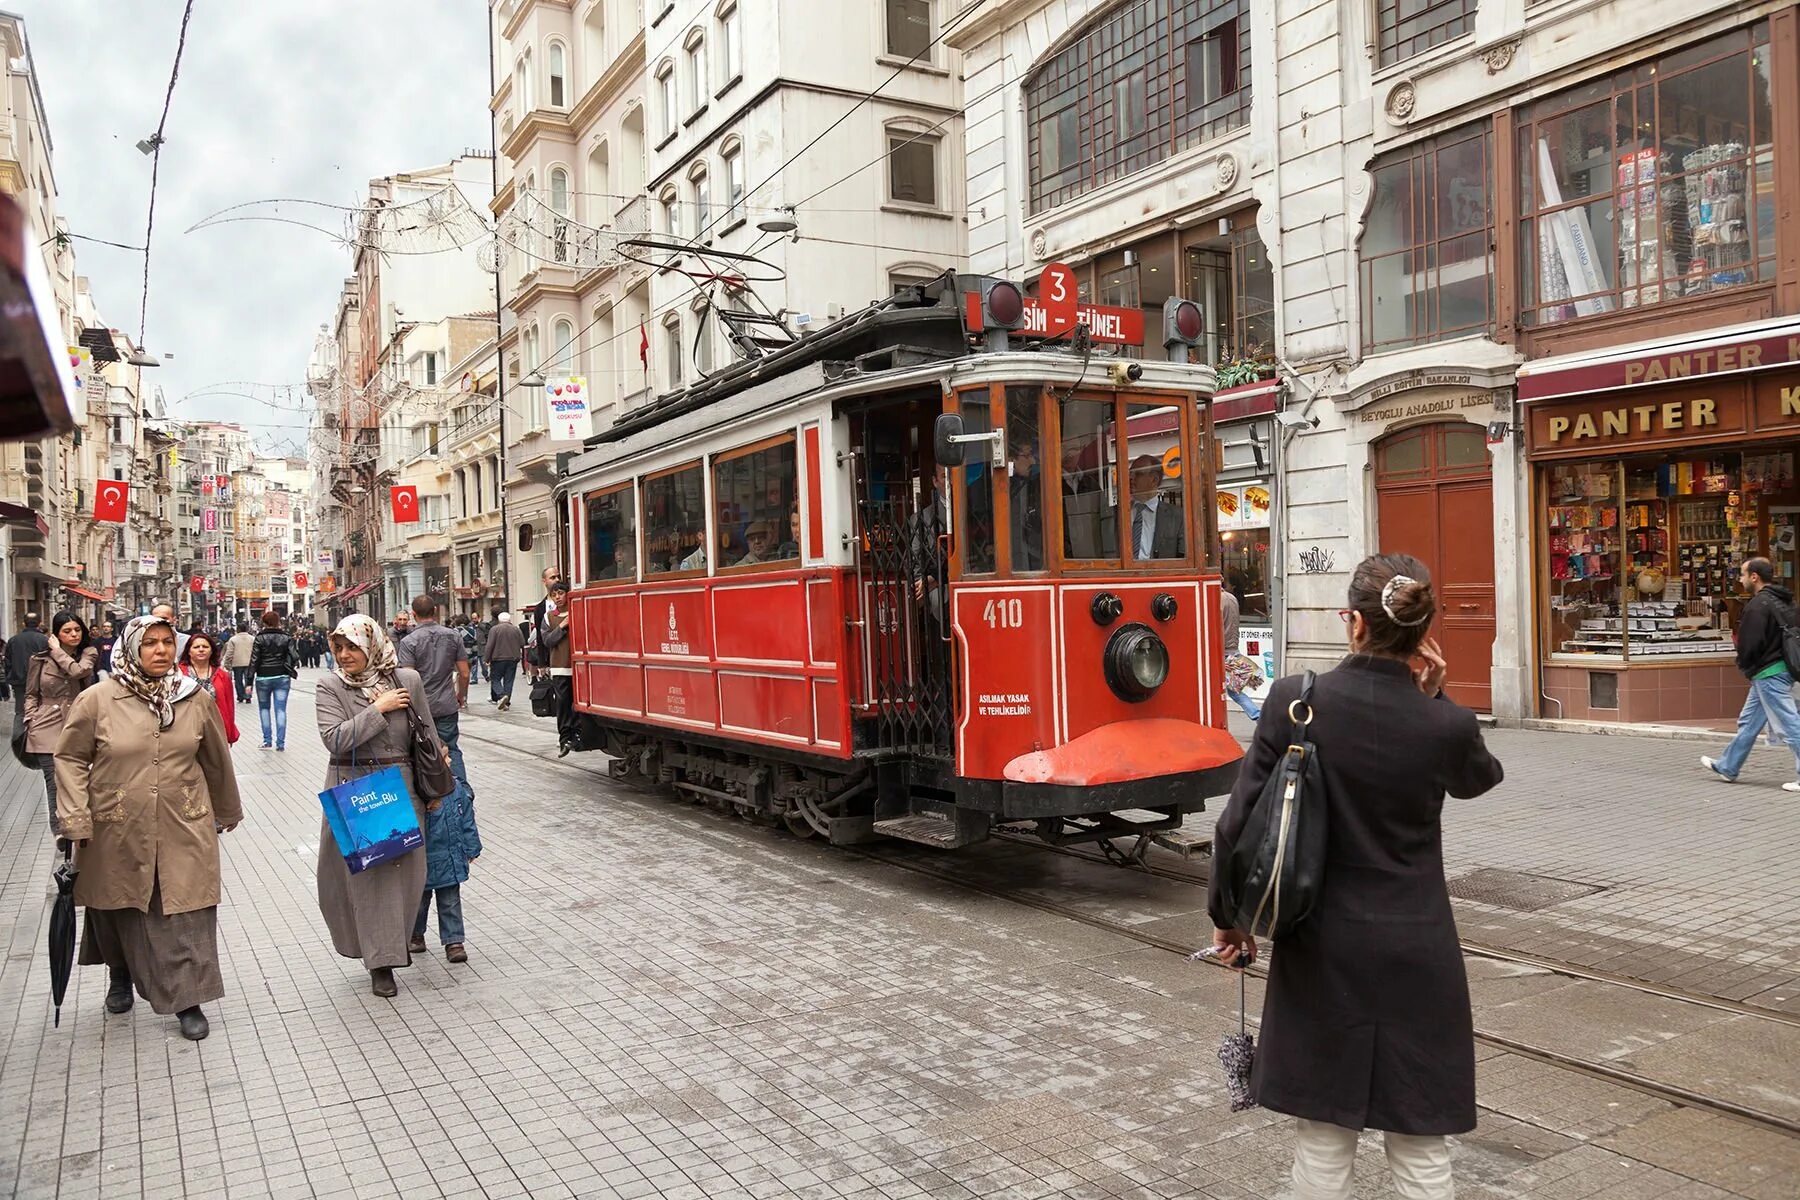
[468,635]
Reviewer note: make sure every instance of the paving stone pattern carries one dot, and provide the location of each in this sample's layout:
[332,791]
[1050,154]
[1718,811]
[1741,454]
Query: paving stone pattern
[663,1001]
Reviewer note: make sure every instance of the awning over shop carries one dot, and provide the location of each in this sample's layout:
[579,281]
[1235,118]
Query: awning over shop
[355,590]
[18,514]
[1734,350]
[76,589]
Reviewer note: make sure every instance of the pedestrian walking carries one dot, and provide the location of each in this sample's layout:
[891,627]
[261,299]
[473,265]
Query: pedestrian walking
[21,648]
[1760,634]
[363,722]
[104,638]
[1240,670]
[144,788]
[273,665]
[505,646]
[471,637]
[53,682]
[1366,1021]
[451,839]
[237,660]
[200,663]
[166,611]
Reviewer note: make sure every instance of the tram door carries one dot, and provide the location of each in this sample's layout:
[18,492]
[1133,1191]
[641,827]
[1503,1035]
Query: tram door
[902,578]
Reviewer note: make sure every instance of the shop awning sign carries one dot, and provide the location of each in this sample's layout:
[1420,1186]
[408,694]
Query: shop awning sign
[1686,358]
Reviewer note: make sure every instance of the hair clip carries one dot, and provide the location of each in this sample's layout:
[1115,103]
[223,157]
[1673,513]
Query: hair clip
[1387,601]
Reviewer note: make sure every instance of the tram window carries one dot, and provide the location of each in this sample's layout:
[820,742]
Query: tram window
[1158,523]
[675,522]
[1090,480]
[759,508]
[977,517]
[1025,479]
[612,534]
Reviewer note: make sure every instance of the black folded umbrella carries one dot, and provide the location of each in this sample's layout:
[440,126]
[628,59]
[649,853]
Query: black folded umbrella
[62,928]
[1237,1051]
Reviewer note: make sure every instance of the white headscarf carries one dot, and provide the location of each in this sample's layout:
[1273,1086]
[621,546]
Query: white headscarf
[377,675]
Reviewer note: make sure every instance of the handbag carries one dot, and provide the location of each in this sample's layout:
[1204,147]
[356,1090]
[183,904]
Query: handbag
[1276,869]
[543,697]
[372,819]
[431,773]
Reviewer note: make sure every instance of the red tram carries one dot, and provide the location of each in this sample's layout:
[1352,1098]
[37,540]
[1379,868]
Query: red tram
[901,578]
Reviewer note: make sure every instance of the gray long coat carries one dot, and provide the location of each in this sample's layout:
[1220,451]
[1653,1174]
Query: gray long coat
[370,914]
[1366,1020]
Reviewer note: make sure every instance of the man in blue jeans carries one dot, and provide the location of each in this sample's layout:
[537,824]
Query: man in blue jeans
[437,653]
[1760,634]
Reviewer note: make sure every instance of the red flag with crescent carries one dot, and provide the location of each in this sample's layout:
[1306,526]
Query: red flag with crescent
[405,500]
[197,584]
[110,498]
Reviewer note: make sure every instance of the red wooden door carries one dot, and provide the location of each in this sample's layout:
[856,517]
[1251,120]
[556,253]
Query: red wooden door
[1435,500]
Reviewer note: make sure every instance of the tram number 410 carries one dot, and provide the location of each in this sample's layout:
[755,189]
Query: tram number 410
[1004,614]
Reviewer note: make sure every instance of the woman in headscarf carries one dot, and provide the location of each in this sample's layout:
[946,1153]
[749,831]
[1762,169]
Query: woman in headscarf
[53,681]
[363,704]
[144,787]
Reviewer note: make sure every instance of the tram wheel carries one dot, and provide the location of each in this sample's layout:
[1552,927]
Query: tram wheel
[797,824]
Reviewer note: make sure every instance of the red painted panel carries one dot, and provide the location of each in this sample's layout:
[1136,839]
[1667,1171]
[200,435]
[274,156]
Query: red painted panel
[771,704]
[614,686]
[607,622]
[825,621]
[677,621]
[830,717]
[1007,705]
[764,621]
[683,696]
[1089,703]
[815,496]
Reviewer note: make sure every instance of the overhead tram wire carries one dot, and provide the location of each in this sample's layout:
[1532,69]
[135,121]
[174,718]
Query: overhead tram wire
[156,145]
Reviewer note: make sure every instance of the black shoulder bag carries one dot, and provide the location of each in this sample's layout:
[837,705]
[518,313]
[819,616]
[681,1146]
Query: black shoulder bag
[1276,868]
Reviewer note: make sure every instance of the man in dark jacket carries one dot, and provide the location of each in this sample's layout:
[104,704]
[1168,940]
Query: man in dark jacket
[19,649]
[1761,630]
[505,645]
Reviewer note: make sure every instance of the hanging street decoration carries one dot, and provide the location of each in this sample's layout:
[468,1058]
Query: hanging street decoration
[110,498]
[405,501]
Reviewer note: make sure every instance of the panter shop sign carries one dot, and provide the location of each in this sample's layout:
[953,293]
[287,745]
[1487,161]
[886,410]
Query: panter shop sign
[1723,412]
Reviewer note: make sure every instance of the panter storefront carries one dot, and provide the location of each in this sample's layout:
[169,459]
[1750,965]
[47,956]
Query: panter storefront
[1656,470]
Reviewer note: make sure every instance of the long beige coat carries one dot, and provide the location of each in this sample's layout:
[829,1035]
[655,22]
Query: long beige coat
[53,683]
[147,797]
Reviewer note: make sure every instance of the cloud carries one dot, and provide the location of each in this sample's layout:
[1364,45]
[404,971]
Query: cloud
[308,101]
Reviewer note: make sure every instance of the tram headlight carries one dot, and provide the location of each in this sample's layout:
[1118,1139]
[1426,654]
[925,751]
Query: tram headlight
[1136,662]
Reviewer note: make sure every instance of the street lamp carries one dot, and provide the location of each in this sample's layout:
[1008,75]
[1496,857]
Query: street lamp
[143,358]
[533,380]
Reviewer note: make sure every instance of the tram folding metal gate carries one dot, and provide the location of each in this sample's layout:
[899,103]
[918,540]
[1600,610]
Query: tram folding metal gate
[905,643]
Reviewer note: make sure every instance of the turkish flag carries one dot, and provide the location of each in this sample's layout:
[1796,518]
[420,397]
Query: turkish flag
[299,579]
[405,500]
[644,344]
[110,496]
[197,584]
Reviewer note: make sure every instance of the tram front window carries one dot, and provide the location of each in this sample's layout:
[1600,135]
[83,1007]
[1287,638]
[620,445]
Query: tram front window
[1025,478]
[1090,491]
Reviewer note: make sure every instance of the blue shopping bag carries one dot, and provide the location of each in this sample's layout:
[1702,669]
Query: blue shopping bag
[372,819]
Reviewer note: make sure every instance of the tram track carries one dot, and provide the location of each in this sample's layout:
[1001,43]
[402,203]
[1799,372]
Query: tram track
[1665,1090]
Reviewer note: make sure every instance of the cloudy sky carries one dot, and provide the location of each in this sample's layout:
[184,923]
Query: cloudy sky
[307,100]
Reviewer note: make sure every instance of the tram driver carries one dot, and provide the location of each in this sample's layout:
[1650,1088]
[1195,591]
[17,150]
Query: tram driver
[1158,526]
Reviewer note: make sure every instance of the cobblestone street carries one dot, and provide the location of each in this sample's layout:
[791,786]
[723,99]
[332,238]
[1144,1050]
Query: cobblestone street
[664,1001]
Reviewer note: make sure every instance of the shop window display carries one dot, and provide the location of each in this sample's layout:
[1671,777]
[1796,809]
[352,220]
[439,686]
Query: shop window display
[1643,554]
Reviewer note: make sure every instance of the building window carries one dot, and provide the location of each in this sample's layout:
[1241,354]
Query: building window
[733,158]
[522,81]
[702,204]
[912,169]
[696,67]
[494,474]
[670,214]
[563,335]
[672,348]
[1650,186]
[1145,80]
[665,98]
[559,205]
[911,276]
[558,75]
[731,46]
[1404,28]
[703,340]
[431,367]
[593,42]
[909,28]
[1427,249]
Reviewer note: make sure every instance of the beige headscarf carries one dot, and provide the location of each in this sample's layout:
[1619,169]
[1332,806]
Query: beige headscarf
[159,692]
[377,675]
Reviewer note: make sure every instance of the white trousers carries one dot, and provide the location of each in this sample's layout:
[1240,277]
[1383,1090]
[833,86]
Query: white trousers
[1324,1155]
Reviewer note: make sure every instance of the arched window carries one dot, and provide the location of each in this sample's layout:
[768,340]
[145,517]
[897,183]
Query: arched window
[671,209]
[912,274]
[562,334]
[665,97]
[559,191]
[522,81]
[593,41]
[732,155]
[704,334]
[913,164]
[600,202]
[559,225]
[698,80]
[672,350]
[731,44]
[559,71]
[1144,80]
[702,189]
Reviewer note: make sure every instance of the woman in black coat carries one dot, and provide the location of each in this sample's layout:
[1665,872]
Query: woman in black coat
[1366,1021]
